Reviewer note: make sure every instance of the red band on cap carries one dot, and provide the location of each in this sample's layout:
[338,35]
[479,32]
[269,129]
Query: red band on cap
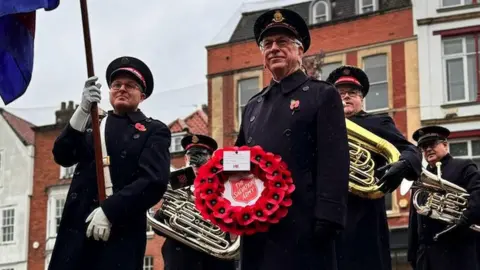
[198,144]
[136,73]
[348,79]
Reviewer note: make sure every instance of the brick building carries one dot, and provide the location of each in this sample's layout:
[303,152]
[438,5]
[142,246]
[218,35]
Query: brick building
[375,35]
[51,183]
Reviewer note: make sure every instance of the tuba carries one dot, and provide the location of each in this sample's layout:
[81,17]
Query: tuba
[362,143]
[438,199]
[180,220]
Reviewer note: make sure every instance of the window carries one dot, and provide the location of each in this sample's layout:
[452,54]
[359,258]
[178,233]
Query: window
[7,225]
[59,203]
[466,149]
[148,263]
[66,173]
[247,88]
[328,68]
[176,145]
[56,203]
[376,69]
[451,3]
[320,12]
[460,60]
[2,162]
[366,6]
[399,260]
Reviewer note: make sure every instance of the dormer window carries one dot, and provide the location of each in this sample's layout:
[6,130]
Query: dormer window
[367,6]
[320,11]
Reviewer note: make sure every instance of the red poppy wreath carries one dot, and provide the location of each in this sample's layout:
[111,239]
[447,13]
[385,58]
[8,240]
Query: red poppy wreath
[244,202]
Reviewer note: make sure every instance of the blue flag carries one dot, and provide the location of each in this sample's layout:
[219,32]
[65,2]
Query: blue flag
[17,34]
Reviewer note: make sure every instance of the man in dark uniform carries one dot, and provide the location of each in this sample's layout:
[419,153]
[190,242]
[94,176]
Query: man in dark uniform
[111,234]
[365,244]
[301,119]
[455,249]
[177,256]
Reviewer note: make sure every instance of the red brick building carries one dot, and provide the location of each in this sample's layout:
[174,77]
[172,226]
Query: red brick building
[375,35]
[51,183]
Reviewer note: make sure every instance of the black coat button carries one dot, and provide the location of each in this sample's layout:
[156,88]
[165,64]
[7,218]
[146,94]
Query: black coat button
[136,136]
[305,88]
[252,118]
[287,132]
[89,130]
[249,140]
[148,120]
[123,154]
[259,99]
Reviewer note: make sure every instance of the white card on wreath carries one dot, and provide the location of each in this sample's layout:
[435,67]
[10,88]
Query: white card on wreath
[236,160]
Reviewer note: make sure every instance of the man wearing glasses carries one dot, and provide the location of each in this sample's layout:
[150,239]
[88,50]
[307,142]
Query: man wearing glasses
[365,244]
[111,234]
[455,249]
[301,119]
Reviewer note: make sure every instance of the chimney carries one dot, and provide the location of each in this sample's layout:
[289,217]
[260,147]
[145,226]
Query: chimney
[63,115]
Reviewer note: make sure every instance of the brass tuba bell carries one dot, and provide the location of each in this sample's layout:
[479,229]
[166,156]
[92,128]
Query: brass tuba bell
[362,143]
[180,220]
[438,198]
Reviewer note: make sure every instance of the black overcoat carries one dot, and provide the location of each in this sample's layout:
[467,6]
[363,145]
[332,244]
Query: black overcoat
[365,244]
[140,167]
[311,138]
[457,248]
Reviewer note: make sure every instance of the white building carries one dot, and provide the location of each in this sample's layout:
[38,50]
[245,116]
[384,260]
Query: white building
[16,177]
[449,70]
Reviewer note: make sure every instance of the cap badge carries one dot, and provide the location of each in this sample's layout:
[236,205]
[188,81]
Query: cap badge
[420,132]
[278,17]
[125,60]
[346,72]
[194,139]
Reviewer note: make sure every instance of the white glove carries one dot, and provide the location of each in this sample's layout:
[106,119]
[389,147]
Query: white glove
[91,93]
[99,225]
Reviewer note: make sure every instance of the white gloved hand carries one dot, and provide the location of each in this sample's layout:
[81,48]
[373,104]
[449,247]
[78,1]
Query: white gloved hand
[99,225]
[91,93]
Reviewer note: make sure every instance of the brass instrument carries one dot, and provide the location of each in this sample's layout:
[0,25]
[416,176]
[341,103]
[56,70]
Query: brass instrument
[183,222]
[362,143]
[439,199]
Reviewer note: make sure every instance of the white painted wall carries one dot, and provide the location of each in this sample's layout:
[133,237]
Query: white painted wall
[431,66]
[16,178]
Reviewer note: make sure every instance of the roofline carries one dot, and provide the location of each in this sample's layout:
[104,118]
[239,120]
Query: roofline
[47,127]
[314,26]
[20,137]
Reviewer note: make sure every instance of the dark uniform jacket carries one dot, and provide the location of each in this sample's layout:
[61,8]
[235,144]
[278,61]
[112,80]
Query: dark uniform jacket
[140,166]
[455,249]
[312,140]
[365,244]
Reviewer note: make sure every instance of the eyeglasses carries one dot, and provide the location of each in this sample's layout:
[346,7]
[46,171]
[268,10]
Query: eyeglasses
[351,93]
[115,86]
[430,144]
[267,44]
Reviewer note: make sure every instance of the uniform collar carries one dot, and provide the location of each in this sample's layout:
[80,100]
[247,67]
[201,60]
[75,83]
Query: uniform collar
[444,162]
[135,117]
[289,83]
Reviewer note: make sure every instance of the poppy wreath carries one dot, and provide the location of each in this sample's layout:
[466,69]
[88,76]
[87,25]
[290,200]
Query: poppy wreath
[267,172]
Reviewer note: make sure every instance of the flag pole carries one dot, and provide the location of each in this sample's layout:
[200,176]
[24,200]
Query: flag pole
[94,110]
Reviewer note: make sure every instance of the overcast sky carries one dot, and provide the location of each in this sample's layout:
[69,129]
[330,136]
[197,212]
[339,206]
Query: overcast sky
[170,36]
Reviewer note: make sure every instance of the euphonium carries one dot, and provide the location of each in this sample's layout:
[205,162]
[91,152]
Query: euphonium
[180,220]
[362,143]
[439,199]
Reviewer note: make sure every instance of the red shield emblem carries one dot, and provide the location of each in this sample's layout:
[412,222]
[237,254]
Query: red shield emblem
[244,189]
